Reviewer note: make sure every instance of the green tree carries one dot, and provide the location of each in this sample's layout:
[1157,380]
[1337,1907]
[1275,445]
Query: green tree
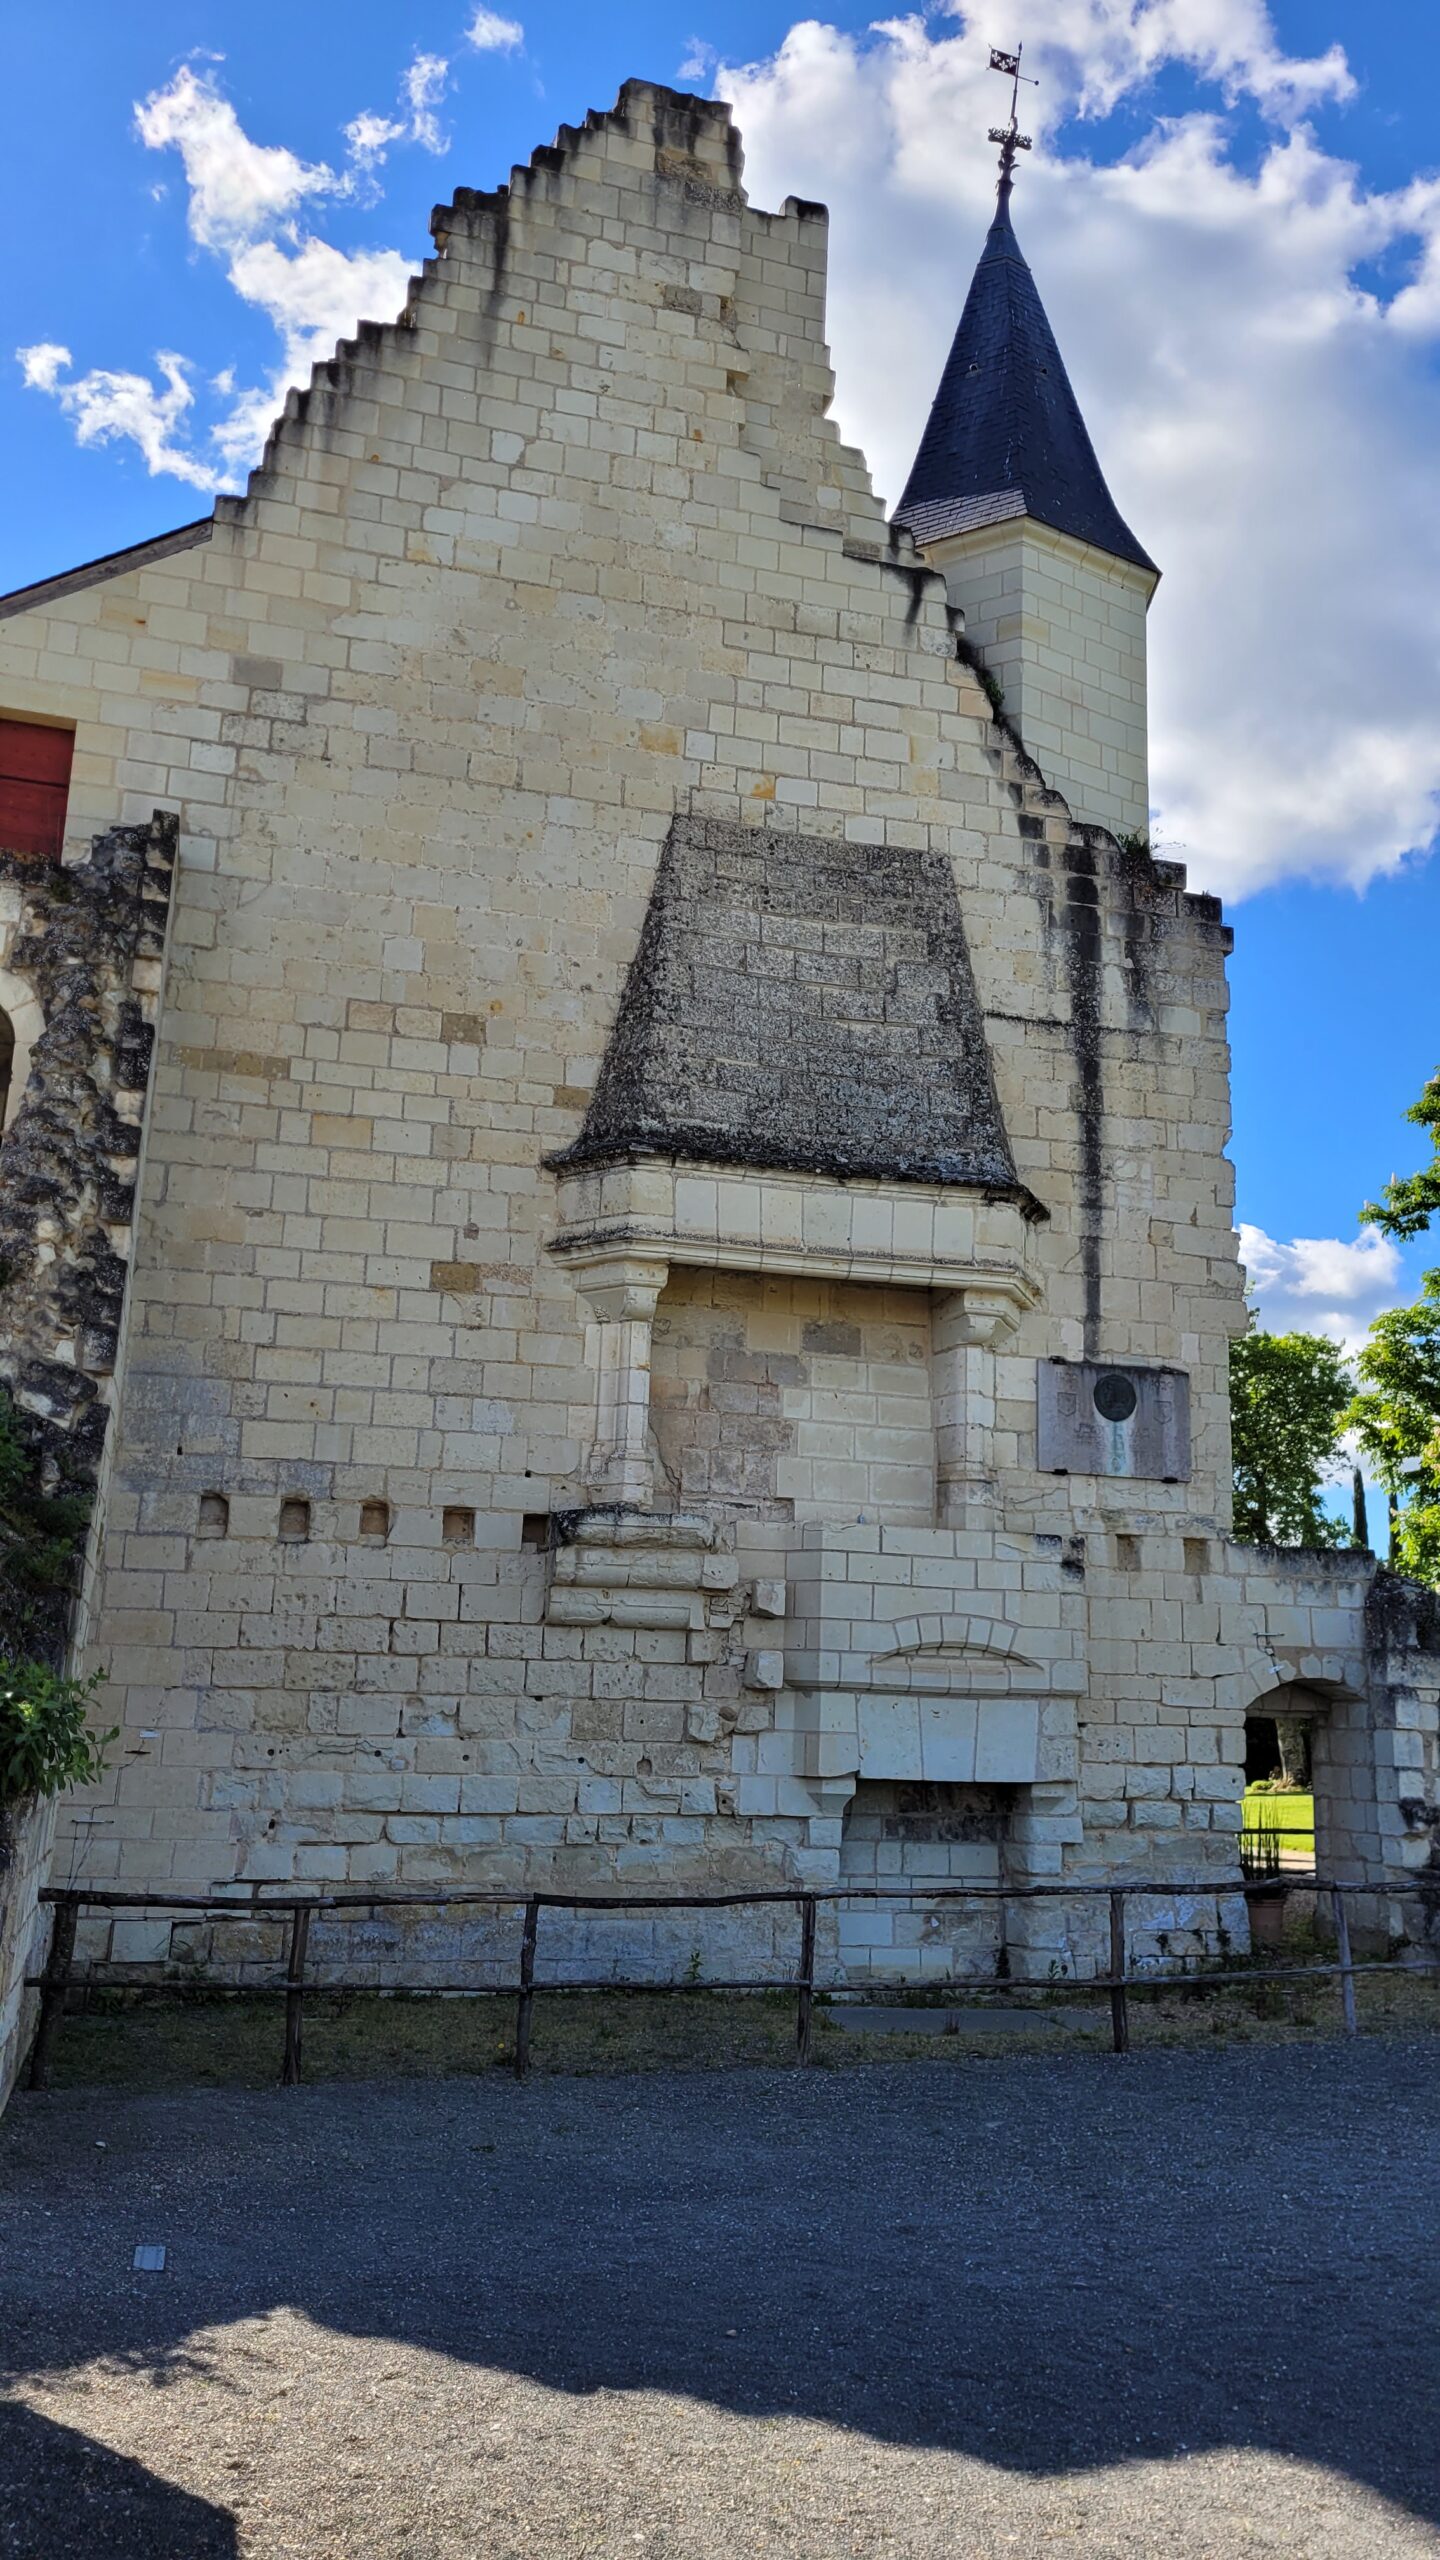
[1409,1201]
[1396,1414]
[1289,1394]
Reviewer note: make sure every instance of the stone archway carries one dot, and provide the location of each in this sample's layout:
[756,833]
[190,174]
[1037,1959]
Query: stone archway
[1326,1714]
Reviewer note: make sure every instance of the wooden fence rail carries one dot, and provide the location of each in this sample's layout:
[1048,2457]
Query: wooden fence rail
[59,1975]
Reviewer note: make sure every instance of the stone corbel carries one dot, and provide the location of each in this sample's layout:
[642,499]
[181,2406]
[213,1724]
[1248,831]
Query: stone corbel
[967,1326]
[621,1292]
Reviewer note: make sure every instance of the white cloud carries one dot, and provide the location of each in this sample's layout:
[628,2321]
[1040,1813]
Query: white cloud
[1320,1284]
[125,407]
[43,365]
[698,60]
[370,136]
[490,33]
[1268,417]
[245,200]
[237,187]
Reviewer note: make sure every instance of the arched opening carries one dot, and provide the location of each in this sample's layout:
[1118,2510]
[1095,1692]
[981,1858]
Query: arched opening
[1318,1738]
[21,1023]
[1278,1817]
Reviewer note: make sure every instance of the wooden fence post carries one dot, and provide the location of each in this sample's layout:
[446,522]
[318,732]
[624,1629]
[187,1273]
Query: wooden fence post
[1119,2012]
[54,1986]
[295,1995]
[525,2005]
[1347,1964]
[805,2014]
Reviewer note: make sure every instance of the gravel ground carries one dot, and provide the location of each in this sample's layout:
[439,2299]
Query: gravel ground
[1179,2305]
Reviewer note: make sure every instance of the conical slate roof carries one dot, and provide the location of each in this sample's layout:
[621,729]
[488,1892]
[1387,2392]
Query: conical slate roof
[1005,436]
[802,1004]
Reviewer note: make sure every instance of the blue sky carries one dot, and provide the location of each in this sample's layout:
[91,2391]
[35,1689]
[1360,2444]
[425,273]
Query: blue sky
[1234,215]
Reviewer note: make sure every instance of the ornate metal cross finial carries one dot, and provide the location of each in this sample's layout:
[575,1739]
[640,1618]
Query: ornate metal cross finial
[1010,137]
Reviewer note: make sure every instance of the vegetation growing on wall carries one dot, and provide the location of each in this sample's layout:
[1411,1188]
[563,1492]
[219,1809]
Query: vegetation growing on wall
[41,1538]
[47,1741]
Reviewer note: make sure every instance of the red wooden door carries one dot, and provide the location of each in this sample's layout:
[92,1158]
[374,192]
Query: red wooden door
[34,787]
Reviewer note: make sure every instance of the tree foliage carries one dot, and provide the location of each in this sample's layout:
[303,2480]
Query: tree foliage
[1396,1414]
[1409,1201]
[1289,1393]
[46,1738]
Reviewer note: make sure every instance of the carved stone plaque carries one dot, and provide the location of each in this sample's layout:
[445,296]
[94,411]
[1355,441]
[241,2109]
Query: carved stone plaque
[1097,1418]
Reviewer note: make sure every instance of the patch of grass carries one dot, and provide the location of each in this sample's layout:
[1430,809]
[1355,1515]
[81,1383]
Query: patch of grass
[235,2041]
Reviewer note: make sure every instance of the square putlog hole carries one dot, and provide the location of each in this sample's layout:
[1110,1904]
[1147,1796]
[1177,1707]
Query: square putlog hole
[294,1518]
[457,1528]
[214,1519]
[535,1530]
[1197,1555]
[1127,1552]
[375,1522]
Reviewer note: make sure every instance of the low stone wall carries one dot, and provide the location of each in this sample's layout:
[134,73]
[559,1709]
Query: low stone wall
[27,1835]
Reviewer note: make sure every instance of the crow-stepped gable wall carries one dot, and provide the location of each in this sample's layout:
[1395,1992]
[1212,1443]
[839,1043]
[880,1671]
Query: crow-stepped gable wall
[650,1075]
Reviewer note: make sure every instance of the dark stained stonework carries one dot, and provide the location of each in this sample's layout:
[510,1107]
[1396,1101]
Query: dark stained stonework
[804,1005]
[89,945]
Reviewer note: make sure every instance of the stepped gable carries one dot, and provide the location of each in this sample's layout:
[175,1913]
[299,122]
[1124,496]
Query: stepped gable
[1005,436]
[805,1005]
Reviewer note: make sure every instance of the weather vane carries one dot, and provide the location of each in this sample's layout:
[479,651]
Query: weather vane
[1010,137]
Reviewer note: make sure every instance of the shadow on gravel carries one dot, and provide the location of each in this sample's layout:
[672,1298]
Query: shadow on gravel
[1045,2265]
[65,2493]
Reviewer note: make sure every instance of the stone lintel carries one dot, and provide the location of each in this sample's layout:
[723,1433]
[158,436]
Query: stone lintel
[617,1219]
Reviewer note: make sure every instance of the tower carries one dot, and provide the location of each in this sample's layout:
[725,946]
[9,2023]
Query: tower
[1007,499]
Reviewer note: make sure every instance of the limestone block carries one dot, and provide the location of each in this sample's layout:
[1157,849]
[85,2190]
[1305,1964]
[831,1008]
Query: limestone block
[889,1734]
[765,1669]
[767,1599]
[1007,1742]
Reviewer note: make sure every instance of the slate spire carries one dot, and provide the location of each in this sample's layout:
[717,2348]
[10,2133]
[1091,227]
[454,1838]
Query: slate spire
[1005,436]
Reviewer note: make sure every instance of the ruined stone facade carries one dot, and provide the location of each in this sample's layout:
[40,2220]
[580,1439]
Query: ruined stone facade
[651,1081]
[81,962]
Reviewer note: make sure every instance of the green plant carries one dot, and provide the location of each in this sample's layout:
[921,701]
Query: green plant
[41,1532]
[969,656]
[46,1738]
[1396,1415]
[1288,1398]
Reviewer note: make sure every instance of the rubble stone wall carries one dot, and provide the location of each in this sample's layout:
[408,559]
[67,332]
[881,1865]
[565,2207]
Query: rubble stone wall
[81,955]
[27,1833]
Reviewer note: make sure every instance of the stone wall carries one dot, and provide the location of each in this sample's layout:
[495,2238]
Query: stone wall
[922,1833]
[27,1833]
[81,961]
[460,1529]
[1061,628]
[785,1396]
